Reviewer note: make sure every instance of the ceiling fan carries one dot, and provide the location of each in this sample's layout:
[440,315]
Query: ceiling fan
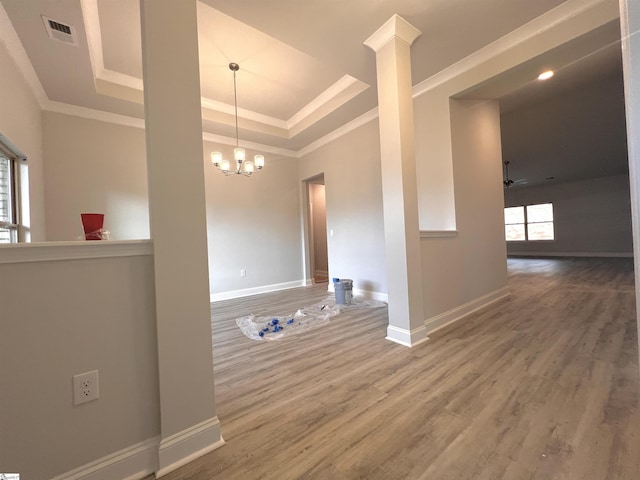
[507,181]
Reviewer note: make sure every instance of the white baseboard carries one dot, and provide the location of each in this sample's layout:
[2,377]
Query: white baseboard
[442,320]
[382,297]
[369,294]
[572,254]
[405,337]
[183,447]
[142,459]
[132,463]
[216,297]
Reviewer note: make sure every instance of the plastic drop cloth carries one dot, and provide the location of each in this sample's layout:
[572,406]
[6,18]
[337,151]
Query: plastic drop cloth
[307,318]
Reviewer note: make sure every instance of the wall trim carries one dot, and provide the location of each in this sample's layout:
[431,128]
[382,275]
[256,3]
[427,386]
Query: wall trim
[245,292]
[54,251]
[131,463]
[185,446]
[341,92]
[442,320]
[408,338]
[224,140]
[92,114]
[573,254]
[438,233]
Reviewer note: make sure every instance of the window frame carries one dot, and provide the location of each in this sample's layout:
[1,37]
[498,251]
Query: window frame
[16,230]
[526,223]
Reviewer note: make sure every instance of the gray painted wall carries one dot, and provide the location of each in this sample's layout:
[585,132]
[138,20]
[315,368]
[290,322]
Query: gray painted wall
[94,167]
[253,224]
[353,187]
[590,217]
[460,269]
[62,318]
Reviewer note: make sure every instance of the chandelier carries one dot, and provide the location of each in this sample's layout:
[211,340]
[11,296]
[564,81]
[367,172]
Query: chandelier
[242,166]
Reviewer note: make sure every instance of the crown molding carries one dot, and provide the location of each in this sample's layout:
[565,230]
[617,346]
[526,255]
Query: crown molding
[91,114]
[342,91]
[124,120]
[217,106]
[528,31]
[122,79]
[223,140]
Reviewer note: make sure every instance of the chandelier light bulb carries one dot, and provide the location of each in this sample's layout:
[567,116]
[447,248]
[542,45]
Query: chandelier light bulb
[239,154]
[216,158]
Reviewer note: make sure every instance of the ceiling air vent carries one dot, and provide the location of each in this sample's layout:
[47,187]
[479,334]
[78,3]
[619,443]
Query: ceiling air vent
[59,31]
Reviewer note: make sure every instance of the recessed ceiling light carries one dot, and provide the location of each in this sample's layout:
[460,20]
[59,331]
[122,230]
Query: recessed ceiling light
[545,75]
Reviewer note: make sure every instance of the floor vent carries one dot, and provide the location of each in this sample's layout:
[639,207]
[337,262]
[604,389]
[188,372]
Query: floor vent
[60,32]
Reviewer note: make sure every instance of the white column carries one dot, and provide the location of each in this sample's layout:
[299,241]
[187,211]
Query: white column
[630,31]
[392,44]
[175,162]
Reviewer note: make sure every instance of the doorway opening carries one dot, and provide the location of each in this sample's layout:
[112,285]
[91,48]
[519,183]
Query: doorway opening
[317,215]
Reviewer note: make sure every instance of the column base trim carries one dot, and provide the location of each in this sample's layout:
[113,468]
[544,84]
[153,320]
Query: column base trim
[408,338]
[184,447]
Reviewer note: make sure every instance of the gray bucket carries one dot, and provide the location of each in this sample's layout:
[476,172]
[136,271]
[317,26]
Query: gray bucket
[344,290]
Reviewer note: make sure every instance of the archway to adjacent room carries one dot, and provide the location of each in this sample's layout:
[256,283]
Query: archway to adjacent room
[317,238]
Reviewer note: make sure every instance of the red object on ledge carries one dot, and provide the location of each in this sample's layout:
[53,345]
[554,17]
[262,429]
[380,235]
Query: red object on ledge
[92,224]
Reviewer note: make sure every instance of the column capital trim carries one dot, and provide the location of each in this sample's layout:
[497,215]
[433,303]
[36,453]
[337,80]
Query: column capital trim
[395,27]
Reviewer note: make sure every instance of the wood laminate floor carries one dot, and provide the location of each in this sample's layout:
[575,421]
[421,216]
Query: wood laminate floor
[542,385]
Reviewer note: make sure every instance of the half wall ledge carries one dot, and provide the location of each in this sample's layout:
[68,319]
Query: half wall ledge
[438,233]
[53,251]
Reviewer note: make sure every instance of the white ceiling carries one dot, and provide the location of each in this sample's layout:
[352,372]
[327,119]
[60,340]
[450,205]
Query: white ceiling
[304,70]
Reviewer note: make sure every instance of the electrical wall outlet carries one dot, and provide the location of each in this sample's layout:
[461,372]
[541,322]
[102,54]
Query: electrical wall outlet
[243,273]
[85,387]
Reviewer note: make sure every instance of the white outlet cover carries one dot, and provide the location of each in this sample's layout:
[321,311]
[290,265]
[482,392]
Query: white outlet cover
[85,387]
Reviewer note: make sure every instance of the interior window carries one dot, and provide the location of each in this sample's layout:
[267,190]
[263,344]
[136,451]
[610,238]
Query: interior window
[530,222]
